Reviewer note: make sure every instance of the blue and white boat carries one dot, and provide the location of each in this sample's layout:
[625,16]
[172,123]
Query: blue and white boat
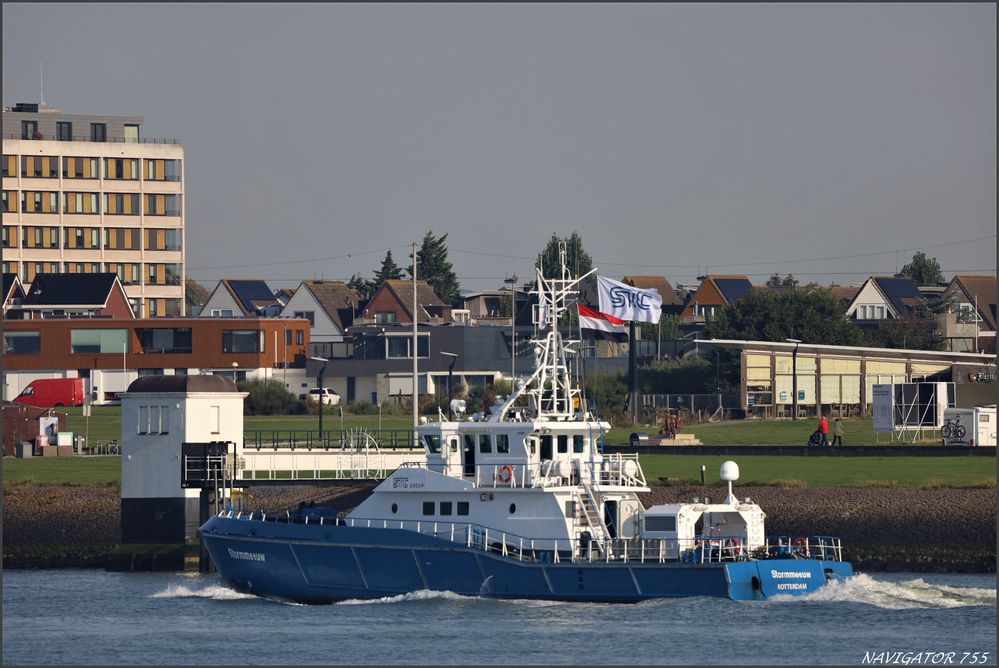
[522,505]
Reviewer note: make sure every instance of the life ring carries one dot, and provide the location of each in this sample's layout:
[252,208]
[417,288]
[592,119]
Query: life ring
[505,474]
[801,544]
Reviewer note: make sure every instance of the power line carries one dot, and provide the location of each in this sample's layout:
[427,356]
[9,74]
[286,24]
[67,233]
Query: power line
[315,259]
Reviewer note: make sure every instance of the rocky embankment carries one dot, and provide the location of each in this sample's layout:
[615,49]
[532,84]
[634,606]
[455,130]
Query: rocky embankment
[894,529]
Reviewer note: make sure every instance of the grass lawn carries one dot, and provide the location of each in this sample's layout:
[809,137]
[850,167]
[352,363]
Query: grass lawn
[826,471]
[754,469]
[105,425]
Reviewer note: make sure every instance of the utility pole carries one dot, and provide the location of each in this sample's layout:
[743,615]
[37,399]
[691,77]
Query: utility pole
[416,393]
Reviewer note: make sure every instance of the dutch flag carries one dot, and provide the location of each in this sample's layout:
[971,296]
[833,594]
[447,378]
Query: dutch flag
[596,325]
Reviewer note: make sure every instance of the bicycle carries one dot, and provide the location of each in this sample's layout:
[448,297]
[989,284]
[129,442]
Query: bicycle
[954,429]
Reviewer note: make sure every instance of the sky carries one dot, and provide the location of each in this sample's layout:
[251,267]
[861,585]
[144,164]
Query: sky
[829,141]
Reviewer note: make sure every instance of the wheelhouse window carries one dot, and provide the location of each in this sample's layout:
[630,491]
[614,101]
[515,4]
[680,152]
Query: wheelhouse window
[563,443]
[502,444]
[485,444]
[428,507]
[242,341]
[22,343]
[577,443]
[446,508]
[463,508]
[433,443]
[99,340]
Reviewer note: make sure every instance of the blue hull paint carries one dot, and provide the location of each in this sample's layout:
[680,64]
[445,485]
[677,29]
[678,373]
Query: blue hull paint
[329,563]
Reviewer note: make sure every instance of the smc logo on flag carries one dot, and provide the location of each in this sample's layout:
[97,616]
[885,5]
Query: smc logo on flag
[623,298]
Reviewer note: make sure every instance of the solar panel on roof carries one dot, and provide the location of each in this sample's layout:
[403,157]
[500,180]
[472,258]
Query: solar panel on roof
[734,289]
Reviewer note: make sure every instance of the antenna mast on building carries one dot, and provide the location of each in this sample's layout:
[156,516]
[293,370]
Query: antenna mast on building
[41,87]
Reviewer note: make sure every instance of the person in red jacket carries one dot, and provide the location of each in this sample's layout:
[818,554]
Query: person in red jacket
[824,429]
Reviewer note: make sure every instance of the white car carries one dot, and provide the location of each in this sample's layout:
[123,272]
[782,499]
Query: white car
[327,395]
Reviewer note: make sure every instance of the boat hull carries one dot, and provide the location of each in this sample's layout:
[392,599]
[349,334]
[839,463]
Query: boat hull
[322,564]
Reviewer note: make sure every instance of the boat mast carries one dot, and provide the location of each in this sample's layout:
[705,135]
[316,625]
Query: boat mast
[550,389]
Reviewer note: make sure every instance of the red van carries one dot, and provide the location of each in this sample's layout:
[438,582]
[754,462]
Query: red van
[49,392]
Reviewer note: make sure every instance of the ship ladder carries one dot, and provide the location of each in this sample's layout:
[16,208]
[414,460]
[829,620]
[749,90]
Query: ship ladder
[598,530]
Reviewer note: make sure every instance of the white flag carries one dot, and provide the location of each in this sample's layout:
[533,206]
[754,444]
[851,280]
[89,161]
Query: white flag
[628,302]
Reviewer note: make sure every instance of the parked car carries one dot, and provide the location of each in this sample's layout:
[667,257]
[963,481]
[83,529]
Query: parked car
[328,396]
[52,392]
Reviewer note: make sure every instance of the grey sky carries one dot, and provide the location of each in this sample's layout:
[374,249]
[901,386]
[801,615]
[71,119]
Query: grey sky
[674,138]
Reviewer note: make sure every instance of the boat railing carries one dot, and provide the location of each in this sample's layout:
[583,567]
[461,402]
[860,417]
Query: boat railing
[826,548]
[712,549]
[615,470]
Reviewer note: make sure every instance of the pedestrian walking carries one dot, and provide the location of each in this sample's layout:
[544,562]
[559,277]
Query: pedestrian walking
[824,430]
[838,433]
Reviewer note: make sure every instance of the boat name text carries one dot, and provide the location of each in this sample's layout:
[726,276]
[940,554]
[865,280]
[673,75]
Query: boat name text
[789,574]
[246,556]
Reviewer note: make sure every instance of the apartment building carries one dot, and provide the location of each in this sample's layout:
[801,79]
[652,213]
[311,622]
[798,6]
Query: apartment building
[88,194]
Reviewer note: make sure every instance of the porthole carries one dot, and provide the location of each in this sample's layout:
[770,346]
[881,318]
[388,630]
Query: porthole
[513,508]
[395,508]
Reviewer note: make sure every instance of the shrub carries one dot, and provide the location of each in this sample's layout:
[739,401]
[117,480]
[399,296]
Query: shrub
[269,397]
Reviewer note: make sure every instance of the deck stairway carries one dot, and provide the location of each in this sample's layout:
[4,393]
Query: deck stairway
[593,522]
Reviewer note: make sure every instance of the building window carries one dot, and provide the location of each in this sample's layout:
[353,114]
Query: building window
[22,343]
[33,268]
[299,337]
[121,169]
[9,201]
[39,166]
[80,203]
[162,274]
[215,422]
[83,268]
[99,340]
[80,168]
[308,315]
[162,239]
[98,132]
[29,129]
[121,238]
[162,170]
[128,273]
[131,134]
[881,313]
[428,507]
[64,131]
[385,317]
[162,205]
[9,237]
[39,202]
[121,204]
[87,238]
[242,341]
[221,313]
[39,237]
[400,347]
[9,165]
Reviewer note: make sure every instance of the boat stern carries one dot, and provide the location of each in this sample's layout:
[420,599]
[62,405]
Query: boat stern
[757,580]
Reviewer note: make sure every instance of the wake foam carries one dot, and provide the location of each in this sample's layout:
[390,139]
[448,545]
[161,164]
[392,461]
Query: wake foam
[215,592]
[421,595]
[918,593]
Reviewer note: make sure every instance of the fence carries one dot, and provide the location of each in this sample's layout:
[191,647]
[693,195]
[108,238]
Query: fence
[690,407]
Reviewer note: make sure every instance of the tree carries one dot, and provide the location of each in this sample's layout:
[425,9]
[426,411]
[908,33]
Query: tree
[810,315]
[923,270]
[195,294]
[433,267]
[910,333]
[775,281]
[577,259]
[363,286]
[389,270]
[668,328]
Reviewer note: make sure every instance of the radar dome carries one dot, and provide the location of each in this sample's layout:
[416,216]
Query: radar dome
[729,471]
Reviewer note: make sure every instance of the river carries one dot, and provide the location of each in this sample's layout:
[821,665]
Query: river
[97,617]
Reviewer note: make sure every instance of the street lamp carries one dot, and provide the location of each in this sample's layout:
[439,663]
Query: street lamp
[322,393]
[234,365]
[450,368]
[512,282]
[794,377]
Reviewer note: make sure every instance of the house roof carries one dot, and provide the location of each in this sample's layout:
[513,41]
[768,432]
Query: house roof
[658,283]
[9,282]
[189,383]
[251,294]
[90,290]
[901,291]
[845,293]
[403,290]
[984,288]
[337,300]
